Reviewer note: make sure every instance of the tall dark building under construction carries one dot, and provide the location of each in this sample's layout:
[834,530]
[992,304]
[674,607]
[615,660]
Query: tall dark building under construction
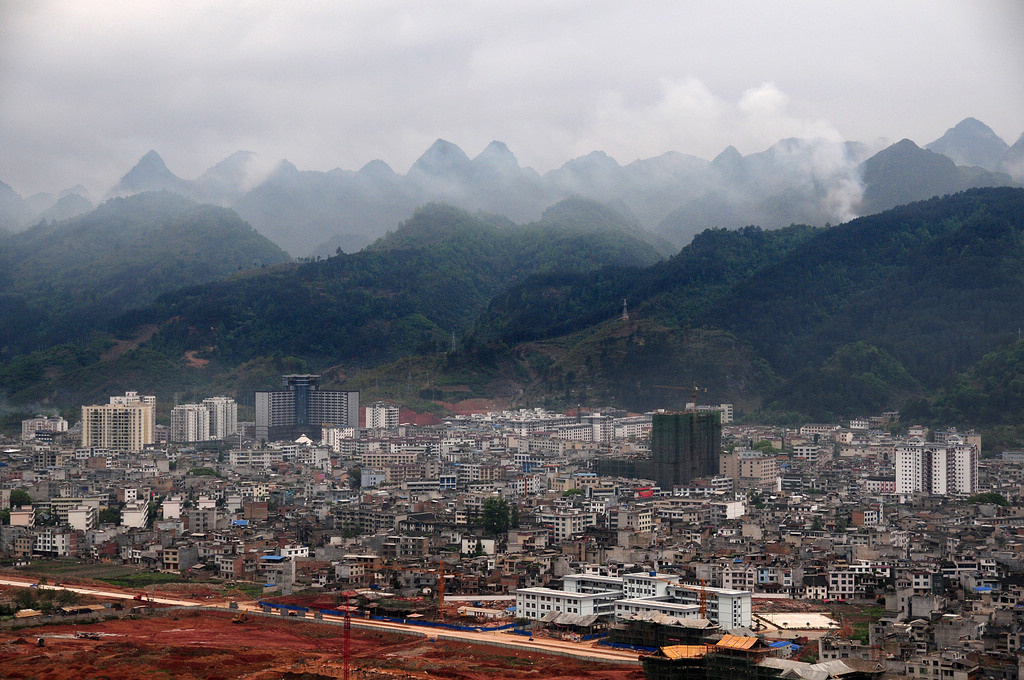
[303,408]
[685,446]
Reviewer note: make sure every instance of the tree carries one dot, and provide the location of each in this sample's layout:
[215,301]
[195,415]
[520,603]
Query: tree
[20,497]
[496,515]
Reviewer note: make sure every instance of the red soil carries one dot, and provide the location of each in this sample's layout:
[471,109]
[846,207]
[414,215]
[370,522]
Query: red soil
[208,645]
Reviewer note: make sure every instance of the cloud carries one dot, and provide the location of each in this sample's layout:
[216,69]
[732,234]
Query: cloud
[88,86]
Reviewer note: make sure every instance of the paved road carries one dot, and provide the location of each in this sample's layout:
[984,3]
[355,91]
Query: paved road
[586,651]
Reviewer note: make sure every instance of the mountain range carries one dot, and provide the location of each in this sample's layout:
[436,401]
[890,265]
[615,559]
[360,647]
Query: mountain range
[912,309]
[675,196]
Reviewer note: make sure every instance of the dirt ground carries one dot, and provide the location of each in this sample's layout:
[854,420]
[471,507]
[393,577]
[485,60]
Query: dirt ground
[208,645]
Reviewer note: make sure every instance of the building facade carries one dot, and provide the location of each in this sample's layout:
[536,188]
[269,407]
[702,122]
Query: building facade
[303,408]
[685,447]
[190,423]
[382,415]
[122,427]
[223,416]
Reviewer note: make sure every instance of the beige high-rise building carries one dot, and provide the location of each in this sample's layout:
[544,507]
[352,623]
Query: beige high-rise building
[136,398]
[123,426]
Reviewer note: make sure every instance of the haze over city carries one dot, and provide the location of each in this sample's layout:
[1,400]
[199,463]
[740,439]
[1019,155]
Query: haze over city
[89,87]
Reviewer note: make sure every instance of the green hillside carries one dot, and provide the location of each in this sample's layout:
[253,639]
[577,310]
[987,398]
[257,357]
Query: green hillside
[914,309]
[404,295]
[60,281]
[847,320]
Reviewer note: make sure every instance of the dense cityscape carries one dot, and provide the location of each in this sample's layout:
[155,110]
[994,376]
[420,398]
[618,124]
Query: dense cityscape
[873,541]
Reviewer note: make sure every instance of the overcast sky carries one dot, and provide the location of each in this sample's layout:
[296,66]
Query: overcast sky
[87,87]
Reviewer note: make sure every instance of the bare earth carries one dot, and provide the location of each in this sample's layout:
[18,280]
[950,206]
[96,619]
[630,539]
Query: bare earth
[208,645]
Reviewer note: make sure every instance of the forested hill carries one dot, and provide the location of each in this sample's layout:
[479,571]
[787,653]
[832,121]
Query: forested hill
[891,311]
[59,281]
[846,320]
[405,295]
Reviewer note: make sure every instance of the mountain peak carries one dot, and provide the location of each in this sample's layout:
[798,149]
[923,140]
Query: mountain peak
[729,155]
[497,155]
[148,174]
[971,142]
[377,168]
[442,157]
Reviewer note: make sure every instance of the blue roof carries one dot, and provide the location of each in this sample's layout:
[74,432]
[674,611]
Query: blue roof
[272,558]
[240,522]
[983,589]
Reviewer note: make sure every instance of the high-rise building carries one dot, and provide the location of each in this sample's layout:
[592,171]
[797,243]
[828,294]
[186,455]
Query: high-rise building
[937,468]
[303,408]
[136,398]
[119,426]
[190,423]
[223,416]
[382,414]
[684,446]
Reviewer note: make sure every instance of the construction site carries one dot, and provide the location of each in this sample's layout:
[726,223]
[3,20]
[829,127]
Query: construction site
[736,657]
[209,645]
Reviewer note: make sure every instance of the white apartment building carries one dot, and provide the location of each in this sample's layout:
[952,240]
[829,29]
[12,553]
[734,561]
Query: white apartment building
[949,468]
[136,398]
[82,518]
[382,415]
[536,603]
[172,507]
[30,426]
[135,515]
[727,607]
[190,423]
[566,524]
[632,427]
[56,542]
[260,459]
[223,416]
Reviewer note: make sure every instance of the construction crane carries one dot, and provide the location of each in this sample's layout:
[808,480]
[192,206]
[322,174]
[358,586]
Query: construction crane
[346,646]
[678,388]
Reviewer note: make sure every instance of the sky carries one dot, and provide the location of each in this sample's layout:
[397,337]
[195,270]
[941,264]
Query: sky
[87,87]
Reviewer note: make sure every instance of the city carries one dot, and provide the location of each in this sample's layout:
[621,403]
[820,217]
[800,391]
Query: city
[871,542]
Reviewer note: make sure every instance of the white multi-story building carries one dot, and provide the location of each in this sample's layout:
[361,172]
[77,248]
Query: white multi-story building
[382,415]
[82,518]
[190,423]
[255,458]
[536,603]
[223,416]
[949,468]
[30,426]
[135,515]
[639,593]
[566,524]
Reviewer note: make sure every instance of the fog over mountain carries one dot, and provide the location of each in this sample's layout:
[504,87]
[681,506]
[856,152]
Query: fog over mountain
[674,195]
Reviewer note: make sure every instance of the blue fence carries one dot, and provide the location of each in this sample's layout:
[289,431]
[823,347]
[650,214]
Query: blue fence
[393,619]
[620,645]
[447,626]
[286,607]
